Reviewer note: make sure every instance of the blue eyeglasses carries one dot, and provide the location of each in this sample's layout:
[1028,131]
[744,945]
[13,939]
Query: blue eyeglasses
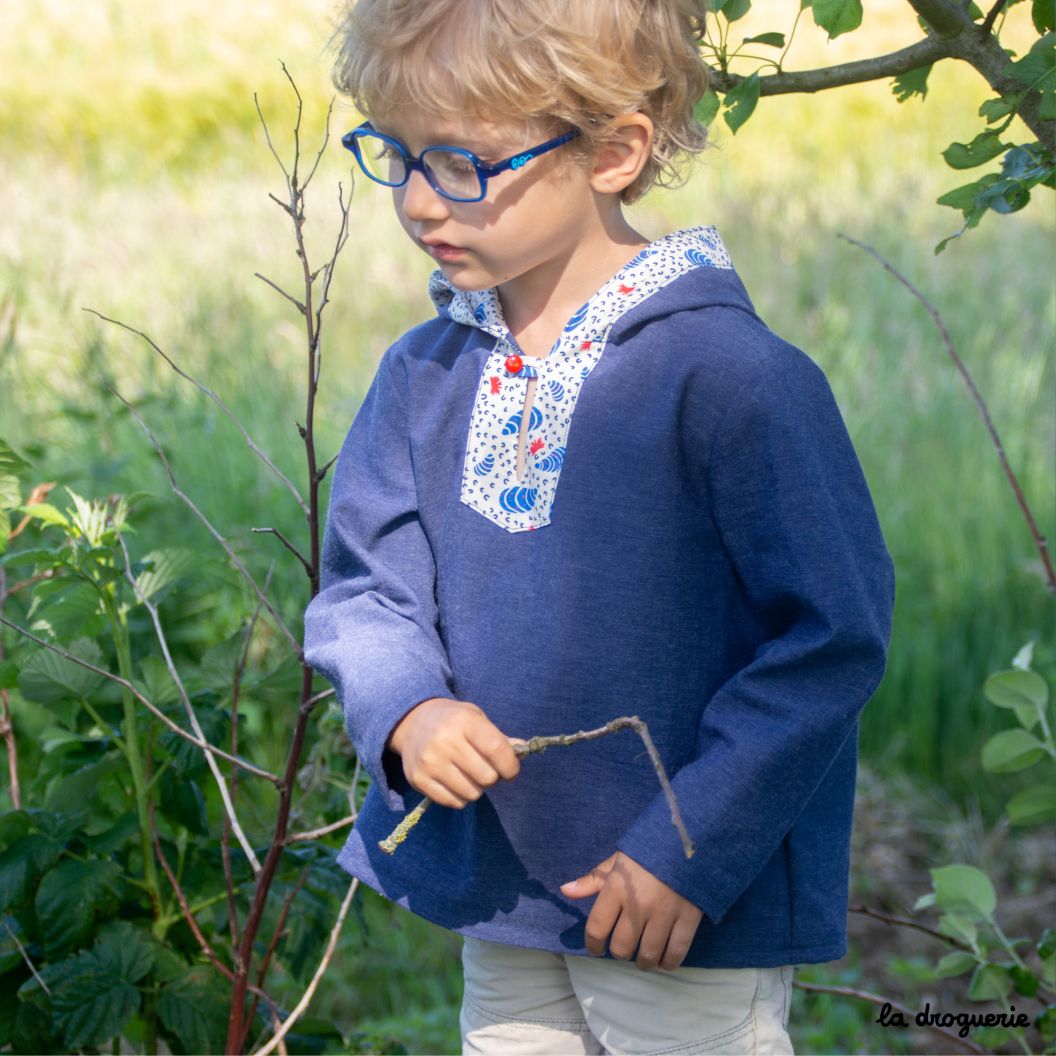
[454,173]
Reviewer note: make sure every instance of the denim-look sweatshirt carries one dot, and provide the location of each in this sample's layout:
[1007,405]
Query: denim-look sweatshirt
[692,541]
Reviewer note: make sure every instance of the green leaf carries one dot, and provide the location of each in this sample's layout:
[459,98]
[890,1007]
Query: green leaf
[48,678]
[924,901]
[123,833]
[1046,1024]
[11,463]
[45,513]
[837,16]
[1024,980]
[964,198]
[21,866]
[5,526]
[995,109]
[1047,943]
[61,607]
[775,40]
[94,1003]
[156,683]
[735,9]
[986,146]
[1033,805]
[48,556]
[990,982]
[963,889]
[912,82]
[956,963]
[1011,750]
[1047,107]
[182,802]
[957,927]
[1036,69]
[194,1009]
[707,107]
[72,897]
[1015,688]
[740,101]
[81,786]
[1043,15]
[124,949]
[8,674]
[165,567]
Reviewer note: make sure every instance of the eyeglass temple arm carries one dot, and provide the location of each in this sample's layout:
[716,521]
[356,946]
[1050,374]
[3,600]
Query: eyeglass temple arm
[520,160]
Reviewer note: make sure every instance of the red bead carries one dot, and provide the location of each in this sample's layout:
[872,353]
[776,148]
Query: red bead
[514,363]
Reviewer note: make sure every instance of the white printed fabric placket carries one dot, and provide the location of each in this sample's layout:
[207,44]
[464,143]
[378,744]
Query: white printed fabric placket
[489,474]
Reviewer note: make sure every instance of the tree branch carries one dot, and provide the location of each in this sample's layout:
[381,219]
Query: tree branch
[290,486]
[1040,541]
[922,53]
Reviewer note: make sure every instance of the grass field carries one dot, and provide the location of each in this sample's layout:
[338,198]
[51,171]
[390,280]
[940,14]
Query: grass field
[137,182]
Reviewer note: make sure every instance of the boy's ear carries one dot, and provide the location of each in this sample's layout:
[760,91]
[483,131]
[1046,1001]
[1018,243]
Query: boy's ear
[618,161]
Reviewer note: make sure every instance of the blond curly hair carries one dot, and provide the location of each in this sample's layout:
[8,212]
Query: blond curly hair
[546,63]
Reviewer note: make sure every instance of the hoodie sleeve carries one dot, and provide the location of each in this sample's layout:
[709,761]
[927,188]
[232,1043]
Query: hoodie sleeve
[372,628]
[792,509]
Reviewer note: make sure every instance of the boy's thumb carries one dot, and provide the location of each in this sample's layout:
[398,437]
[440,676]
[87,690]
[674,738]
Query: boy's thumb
[582,886]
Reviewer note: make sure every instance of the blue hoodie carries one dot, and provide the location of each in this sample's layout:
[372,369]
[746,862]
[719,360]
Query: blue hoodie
[692,541]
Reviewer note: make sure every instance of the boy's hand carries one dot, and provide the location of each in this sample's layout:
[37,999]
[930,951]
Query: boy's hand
[452,751]
[649,913]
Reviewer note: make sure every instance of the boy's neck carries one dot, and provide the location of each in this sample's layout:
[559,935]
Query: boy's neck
[537,306]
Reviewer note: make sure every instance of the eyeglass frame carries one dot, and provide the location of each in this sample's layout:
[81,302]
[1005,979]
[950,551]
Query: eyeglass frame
[350,140]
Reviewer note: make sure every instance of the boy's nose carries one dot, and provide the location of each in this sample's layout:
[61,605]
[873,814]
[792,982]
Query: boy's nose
[420,201]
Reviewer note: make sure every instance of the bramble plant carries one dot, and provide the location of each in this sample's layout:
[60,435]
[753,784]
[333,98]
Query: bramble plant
[1024,86]
[965,895]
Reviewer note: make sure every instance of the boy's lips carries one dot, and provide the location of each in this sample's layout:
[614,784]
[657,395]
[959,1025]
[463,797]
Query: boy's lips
[442,250]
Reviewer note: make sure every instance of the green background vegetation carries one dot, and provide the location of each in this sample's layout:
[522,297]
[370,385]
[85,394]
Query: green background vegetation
[137,179]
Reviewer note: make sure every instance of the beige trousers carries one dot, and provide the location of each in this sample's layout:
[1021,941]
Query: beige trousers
[525,1001]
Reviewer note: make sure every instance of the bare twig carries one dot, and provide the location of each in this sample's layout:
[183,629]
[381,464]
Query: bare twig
[319,697]
[305,1000]
[188,916]
[289,546]
[540,744]
[204,745]
[294,208]
[1040,541]
[26,957]
[315,834]
[294,644]
[271,146]
[322,148]
[280,930]
[252,444]
[906,923]
[7,726]
[964,1044]
[278,289]
[188,707]
[225,834]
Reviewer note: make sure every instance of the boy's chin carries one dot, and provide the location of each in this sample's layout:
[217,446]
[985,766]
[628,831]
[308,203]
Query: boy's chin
[465,280]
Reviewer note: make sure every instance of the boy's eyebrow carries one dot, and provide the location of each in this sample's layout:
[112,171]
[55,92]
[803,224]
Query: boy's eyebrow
[481,147]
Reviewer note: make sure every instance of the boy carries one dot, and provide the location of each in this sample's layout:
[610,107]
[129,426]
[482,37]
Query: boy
[595,485]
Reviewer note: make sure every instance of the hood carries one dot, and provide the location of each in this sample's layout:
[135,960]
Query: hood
[645,288]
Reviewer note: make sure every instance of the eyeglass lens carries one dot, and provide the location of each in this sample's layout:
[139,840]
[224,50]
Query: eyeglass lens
[452,171]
